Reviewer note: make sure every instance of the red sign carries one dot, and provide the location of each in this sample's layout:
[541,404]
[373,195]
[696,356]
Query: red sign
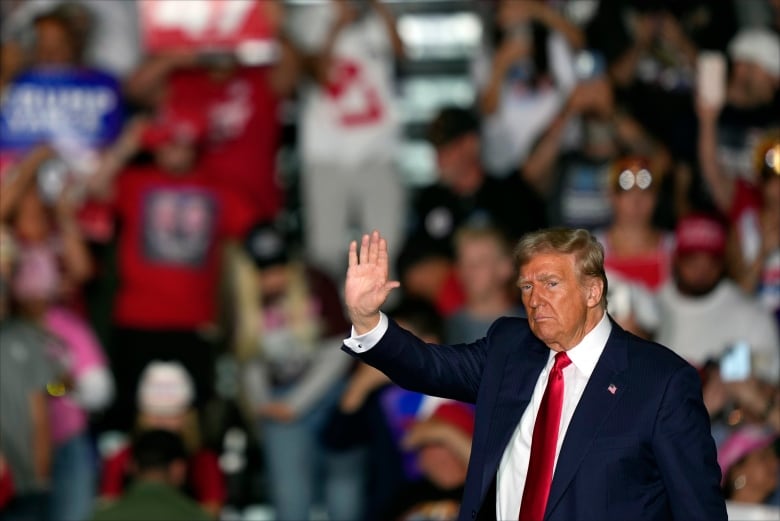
[245,27]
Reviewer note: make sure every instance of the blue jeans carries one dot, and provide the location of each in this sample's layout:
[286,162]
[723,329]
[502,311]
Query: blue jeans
[301,470]
[73,480]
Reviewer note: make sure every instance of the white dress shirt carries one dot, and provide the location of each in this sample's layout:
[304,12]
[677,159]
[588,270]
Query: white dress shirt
[364,342]
[514,464]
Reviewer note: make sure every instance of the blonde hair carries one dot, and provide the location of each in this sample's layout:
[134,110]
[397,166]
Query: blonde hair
[587,250]
[245,317]
[248,313]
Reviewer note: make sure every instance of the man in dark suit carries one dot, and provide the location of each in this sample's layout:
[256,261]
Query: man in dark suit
[575,418]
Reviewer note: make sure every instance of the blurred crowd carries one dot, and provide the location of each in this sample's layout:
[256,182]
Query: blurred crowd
[170,308]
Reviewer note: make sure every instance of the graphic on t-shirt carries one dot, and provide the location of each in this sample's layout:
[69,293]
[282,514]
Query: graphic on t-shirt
[357,100]
[584,196]
[228,118]
[735,149]
[289,343]
[178,226]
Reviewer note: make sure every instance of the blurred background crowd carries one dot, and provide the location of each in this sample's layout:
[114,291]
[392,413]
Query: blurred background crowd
[180,179]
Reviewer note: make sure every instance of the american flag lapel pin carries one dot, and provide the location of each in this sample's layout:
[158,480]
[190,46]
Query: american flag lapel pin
[612,388]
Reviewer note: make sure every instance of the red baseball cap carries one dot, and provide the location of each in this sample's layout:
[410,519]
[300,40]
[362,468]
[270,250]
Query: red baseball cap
[174,127]
[457,414]
[700,233]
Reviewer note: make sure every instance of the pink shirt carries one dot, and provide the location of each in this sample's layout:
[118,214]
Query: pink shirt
[78,352]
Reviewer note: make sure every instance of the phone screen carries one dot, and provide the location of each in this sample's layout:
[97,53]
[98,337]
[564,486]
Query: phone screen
[711,78]
[735,363]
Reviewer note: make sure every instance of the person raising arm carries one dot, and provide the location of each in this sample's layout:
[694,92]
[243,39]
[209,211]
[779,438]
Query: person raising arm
[575,418]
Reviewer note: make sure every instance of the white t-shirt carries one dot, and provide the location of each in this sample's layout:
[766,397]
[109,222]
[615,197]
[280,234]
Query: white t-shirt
[523,115]
[702,328]
[355,117]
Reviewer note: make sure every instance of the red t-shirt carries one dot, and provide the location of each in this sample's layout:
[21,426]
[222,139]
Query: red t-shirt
[747,198]
[6,485]
[651,269]
[243,131]
[205,480]
[171,230]
[451,296]
[745,214]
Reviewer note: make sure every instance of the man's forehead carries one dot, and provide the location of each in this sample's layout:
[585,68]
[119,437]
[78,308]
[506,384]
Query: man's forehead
[548,264]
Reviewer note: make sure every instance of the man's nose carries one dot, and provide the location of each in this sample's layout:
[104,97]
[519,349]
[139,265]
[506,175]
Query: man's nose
[533,299]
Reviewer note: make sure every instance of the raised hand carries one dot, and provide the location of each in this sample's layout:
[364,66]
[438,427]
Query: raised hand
[367,285]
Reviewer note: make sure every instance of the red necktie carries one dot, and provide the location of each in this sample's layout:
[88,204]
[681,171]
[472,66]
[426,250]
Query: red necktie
[543,444]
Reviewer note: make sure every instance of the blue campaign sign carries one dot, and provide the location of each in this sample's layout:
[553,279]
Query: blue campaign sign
[60,105]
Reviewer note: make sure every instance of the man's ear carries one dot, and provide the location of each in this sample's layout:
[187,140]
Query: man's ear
[595,290]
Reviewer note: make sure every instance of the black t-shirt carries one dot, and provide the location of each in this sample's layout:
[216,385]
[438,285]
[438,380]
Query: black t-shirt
[507,203]
[580,198]
[739,131]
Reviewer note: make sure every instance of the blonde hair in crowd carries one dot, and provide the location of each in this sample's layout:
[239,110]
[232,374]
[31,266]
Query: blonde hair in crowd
[240,293]
[588,252]
[243,289]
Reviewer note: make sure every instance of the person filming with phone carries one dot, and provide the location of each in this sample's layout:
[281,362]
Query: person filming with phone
[575,418]
[728,335]
[703,312]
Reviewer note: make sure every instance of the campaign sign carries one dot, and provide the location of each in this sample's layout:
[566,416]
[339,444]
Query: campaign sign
[207,25]
[60,105]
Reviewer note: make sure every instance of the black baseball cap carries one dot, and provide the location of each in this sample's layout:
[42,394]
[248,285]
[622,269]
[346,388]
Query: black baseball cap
[266,245]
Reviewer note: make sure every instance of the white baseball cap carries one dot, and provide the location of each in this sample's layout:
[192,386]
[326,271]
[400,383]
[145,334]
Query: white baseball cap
[165,389]
[759,46]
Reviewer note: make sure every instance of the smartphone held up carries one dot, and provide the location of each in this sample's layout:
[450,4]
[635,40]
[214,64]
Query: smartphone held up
[711,78]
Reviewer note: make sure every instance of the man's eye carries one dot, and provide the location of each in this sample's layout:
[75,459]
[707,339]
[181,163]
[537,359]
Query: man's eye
[552,283]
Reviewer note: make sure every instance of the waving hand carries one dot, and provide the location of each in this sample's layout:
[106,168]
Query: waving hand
[367,285]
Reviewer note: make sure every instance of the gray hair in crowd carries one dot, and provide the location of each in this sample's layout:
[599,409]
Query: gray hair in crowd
[588,252]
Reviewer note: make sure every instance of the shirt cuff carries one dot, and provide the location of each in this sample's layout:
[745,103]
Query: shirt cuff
[364,342]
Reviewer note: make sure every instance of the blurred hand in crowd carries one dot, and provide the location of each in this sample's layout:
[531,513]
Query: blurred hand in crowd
[277,411]
[444,451]
[755,400]
[643,28]
[363,382]
[115,158]
[592,97]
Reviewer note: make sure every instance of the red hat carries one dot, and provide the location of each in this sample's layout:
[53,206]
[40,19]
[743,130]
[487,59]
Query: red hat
[456,414]
[179,128]
[700,233]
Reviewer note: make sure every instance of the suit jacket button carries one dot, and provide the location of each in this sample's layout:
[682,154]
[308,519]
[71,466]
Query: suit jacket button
[473,514]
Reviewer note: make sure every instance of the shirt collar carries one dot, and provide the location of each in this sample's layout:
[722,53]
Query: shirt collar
[585,355]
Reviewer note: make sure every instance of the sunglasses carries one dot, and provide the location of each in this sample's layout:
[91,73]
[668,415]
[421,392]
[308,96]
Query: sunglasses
[629,179]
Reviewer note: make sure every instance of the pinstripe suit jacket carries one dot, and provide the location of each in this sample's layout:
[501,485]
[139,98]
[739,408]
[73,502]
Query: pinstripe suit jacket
[644,452]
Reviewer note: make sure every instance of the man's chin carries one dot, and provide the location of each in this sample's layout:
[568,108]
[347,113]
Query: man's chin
[540,331]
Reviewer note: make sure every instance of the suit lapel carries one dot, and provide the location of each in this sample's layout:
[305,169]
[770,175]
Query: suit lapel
[518,379]
[595,405]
